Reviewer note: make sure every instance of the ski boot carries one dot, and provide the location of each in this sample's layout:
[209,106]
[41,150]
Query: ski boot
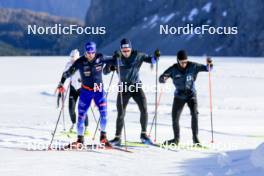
[171,142]
[116,141]
[78,144]
[145,139]
[196,142]
[103,140]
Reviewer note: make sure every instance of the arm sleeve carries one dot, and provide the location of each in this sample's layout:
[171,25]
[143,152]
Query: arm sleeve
[110,61]
[166,74]
[147,58]
[106,69]
[201,68]
[69,72]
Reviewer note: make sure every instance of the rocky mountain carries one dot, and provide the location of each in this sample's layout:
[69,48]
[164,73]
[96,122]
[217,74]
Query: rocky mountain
[15,40]
[140,21]
[70,9]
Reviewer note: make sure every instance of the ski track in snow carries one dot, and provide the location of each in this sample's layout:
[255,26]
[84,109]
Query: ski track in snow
[28,114]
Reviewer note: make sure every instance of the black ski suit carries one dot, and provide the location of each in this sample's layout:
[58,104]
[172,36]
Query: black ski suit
[129,76]
[185,92]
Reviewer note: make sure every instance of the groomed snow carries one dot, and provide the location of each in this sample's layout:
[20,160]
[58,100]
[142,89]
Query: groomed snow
[257,158]
[28,114]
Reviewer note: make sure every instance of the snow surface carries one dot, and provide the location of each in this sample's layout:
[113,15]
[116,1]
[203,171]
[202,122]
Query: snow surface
[28,114]
[257,157]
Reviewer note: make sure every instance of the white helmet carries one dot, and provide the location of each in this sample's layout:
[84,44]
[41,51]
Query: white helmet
[75,54]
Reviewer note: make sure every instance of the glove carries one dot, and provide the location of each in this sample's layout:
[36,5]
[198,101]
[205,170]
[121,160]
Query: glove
[112,68]
[157,53]
[60,88]
[61,91]
[162,79]
[116,55]
[209,61]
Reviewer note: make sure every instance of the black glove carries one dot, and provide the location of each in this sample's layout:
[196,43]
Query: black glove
[157,53]
[116,55]
[209,61]
[112,68]
[162,79]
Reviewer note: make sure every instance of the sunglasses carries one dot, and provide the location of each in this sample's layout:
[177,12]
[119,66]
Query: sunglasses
[183,62]
[125,51]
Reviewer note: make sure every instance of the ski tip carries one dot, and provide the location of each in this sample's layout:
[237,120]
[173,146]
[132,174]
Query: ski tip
[128,151]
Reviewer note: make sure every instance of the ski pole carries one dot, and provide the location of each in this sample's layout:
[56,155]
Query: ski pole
[121,99]
[156,100]
[153,120]
[93,115]
[63,117]
[56,126]
[97,122]
[211,102]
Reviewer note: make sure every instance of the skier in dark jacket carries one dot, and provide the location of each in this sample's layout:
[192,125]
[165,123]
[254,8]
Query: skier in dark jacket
[184,74]
[129,61]
[90,67]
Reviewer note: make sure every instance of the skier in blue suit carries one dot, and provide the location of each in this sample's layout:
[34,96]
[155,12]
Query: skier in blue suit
[90,66]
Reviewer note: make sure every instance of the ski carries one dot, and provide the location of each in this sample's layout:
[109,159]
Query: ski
[72,134]
[61,149]
[139,144]
[85,148]
[180,147]
[169,147]
[134,144]
[100,147]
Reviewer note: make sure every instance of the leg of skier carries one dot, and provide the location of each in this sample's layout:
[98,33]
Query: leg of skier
[86,122]
[72,103]
[192,104]
[120,116]
[84,104]
[140,99]
[101,102]
[177,108]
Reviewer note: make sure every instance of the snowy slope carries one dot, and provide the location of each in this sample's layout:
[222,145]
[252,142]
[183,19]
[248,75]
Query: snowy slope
[28,114]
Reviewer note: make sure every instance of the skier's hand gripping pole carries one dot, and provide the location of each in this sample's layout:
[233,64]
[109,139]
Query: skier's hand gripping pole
[60,90]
